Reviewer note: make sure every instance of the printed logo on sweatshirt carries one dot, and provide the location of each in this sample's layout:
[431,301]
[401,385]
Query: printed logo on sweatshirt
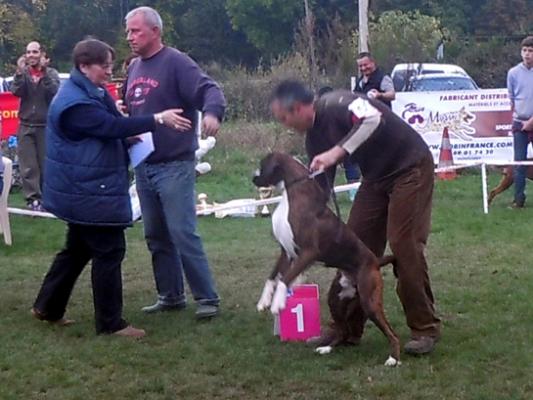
[139,89]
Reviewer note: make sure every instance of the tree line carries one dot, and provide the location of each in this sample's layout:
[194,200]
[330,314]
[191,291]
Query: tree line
[481,35]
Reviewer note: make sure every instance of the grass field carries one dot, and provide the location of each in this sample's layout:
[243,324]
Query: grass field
[482,279]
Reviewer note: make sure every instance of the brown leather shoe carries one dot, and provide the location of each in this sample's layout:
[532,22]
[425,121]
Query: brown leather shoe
[131,332]
[59,322]
[420,345]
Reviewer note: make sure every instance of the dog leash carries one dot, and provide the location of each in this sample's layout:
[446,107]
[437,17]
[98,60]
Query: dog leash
[331,189]
[337,208]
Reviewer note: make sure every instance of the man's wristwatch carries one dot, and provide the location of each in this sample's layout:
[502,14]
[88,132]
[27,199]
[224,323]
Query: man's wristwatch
[159,118]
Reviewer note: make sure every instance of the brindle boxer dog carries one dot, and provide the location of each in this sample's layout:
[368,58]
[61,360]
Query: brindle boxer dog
[309,231]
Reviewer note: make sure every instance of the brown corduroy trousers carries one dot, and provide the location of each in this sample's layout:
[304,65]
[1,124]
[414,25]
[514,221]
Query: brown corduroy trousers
[397,210]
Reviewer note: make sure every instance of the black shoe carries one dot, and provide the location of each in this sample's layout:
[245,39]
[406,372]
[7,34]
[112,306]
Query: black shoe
[420,345]
[162,307]
[205,311]
[517,204]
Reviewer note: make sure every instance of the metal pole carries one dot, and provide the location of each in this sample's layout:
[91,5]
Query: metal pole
[363,25]
[484,188]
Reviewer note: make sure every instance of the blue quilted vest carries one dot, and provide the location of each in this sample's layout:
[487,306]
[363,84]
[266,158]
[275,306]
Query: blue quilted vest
[85,180]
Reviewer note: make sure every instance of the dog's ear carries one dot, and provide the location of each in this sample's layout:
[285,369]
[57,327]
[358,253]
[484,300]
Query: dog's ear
[269,165]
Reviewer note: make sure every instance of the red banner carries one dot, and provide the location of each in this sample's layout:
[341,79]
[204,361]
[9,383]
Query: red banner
[9,109]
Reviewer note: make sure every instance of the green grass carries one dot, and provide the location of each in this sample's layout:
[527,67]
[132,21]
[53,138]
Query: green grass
[481,274]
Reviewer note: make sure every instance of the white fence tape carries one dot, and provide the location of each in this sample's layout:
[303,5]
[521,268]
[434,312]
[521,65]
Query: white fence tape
[338,189]
[30,213]
[264,202]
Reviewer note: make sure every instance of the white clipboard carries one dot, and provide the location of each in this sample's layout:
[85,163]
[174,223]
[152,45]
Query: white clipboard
[142,149]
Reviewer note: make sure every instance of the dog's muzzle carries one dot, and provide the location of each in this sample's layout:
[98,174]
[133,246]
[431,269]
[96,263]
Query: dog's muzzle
[257,179]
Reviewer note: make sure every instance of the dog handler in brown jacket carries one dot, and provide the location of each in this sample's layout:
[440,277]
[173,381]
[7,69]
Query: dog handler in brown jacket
[393,202]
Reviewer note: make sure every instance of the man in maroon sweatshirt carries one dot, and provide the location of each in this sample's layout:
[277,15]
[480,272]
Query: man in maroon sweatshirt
[160,78]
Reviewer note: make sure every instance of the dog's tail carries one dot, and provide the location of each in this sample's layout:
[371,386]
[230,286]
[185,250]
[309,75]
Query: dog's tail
[389,259]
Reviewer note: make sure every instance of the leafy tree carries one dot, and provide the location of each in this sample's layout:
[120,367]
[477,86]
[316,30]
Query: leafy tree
[488,61]
[404,37]
[268,24]
[454,14]
[16,30]
[65,22]
[505,17]
[207,35]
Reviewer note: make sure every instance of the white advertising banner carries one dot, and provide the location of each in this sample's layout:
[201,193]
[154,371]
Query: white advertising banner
[479,122]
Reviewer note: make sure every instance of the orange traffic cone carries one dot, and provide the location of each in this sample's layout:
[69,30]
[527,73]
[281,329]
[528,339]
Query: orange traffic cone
[446,158]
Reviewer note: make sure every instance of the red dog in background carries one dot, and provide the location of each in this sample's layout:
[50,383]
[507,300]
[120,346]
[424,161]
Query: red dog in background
[507,180]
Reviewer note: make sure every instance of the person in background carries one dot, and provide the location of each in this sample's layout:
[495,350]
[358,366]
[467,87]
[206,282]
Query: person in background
[393,203]
[86,185]
[35,83]
[520,88]
[351,170]
[373,81]
[165,77]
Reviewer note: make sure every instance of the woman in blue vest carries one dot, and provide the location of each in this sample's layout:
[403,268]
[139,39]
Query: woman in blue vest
[86,184]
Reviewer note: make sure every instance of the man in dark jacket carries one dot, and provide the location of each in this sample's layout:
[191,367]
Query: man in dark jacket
[86,184]
[373,81]
[36,84]
[393,203]
[165,77]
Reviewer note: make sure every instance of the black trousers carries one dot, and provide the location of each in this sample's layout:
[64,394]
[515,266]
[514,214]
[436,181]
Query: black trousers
[106,247]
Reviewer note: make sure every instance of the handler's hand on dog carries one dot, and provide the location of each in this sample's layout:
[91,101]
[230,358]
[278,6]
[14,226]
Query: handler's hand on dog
[327,159]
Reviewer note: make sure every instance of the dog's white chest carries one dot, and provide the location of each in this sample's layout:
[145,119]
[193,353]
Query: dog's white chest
[282,228]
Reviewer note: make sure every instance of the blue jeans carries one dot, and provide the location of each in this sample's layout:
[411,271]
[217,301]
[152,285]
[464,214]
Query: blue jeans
[351,170]
[520,143]
[166,193]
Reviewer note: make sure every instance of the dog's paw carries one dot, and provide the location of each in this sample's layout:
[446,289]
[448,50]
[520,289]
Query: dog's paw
[280,298]
[266,296]
[392,362]
[324,350]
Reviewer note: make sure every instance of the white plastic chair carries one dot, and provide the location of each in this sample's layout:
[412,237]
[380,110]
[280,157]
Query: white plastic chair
[5,228]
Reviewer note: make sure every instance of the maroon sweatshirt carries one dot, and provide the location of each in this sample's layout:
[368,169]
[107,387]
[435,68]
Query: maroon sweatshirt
[171,79]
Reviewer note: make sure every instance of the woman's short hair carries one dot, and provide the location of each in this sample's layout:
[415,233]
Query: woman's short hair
[91,51]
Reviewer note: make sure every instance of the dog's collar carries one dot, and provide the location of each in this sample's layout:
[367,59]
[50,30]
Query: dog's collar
[312,175]
[297,180]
